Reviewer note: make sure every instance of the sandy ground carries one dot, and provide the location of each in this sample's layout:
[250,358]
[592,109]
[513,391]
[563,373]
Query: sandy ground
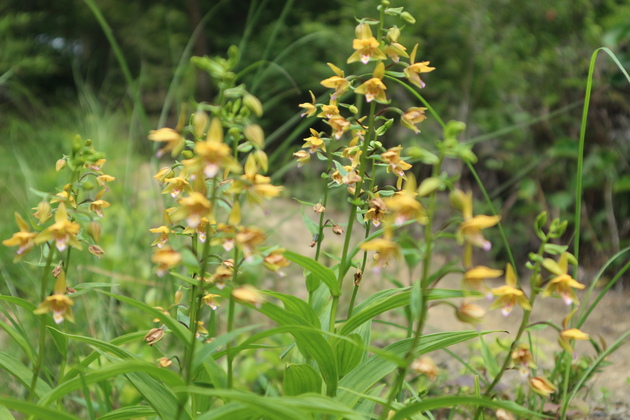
[607,395]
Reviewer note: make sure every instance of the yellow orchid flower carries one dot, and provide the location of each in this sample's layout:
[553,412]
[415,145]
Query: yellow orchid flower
[309,108]
[563,284]
[413,116]
[337,82]
[508,295]
[374,89]
[63,231]
[58,302]
[22,239]
[366,46]
[413,71]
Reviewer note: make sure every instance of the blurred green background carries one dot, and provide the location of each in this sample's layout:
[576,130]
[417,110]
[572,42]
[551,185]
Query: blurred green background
[514,72]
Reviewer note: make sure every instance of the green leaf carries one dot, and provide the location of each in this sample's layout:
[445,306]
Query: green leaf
[374,369]
[554,249]
[16,368]
[490,362]
[349,354]
[297,306]
[207,350]
[130,412]
[312,227]
[32,409]
[169,378]
[324,273]
[59,339]
[415,300]
[312,342]
[454,401]
[300,379]
[20,339]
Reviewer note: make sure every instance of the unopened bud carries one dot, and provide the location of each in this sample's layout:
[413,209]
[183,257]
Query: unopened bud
[253,104]
[164,362]
[94,230]
[188,154]
[254,133]
[353,109]
[407,17]
[200,122]
[61,163]
[470,313]
[42,212]
[178,297]
[542,386]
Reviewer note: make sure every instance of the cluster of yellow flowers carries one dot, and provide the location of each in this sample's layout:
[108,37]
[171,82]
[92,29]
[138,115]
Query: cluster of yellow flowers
[70,221]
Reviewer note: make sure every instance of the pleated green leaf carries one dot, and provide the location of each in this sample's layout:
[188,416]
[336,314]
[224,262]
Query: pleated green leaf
[348,354]
[16,368]
[301,379]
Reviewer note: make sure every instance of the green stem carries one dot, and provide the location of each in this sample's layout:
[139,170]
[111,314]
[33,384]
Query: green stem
[320,236]
[230,325]
[42,329]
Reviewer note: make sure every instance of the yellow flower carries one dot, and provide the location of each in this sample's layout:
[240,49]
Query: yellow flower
[163,238]
[177,185]
[22,239]
[542,386]
[213,154]
[377,211]
[469,231]
[256,186]
[563,284]
[395,162]
[329,111]
[509,295]
[413,71]
[385,249]
[302,157]
[102,180]
[366,46]
[521,356]
[248,294]
[165,258]
[164,362]
[58,302]
[339,125]
[571,334]
[164,173]
[395,50]
[174,141]
[247,239]
[474,277]
[310,108]
[98,205]
[314,142]
[404,206]
[192,208]
[209,299]
[413,116]
[275,260]
[223,273]
[42,212]
[63,231]
[374,89]
[337,82]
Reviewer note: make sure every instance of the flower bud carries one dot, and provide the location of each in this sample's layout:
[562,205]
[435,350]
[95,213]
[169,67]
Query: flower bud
[42,212]
[542,386]
[318,208]
[424,366]
[353,109]
[61,163]
[407,17]
[154,335]
[164,362]
[255,135]
[253,104]
[178,297]
[470,313]
[200,122]
[94,230]
[248,294]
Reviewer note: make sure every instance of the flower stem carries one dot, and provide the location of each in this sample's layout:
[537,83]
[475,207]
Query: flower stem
[230,325]
[42,329]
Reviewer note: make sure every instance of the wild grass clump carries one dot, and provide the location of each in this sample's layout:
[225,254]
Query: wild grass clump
[219,345]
